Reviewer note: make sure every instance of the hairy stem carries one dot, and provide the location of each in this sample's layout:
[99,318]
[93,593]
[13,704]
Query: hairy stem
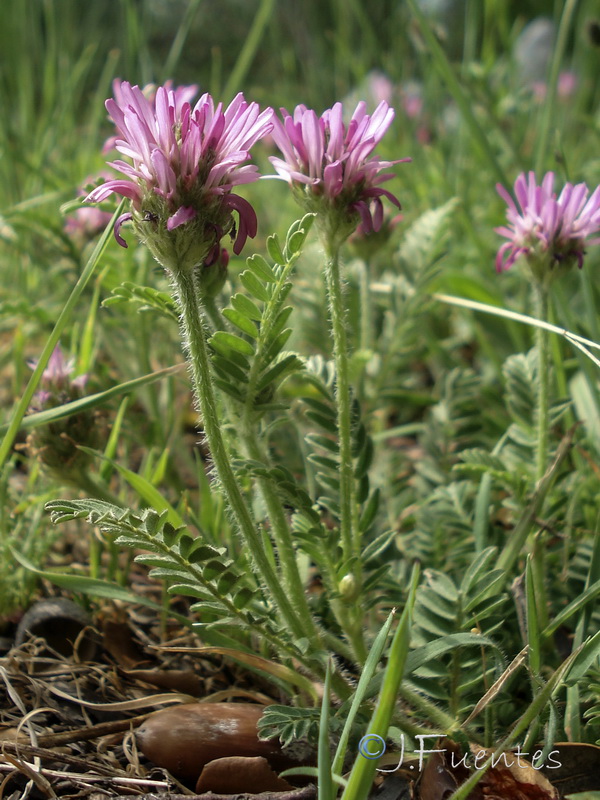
[280,530]
[350,535]
[282,536]
[193,330]
[342,396]
[538,565]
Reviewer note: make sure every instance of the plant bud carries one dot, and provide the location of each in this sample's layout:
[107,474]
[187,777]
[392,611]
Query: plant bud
[348,588]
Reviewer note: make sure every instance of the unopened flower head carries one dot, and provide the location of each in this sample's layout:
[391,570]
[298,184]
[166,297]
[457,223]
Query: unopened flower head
[56,378]
[331,166]
[85,223]
[185,162]
[55,444]
[212,273]
[367,245]
[550,232]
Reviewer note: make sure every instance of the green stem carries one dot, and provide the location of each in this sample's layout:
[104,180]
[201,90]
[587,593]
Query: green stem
[280,530]
[337,645]
[350,535]
[340,354]
[202,380]
[538,570]
[437,716]
[543,348]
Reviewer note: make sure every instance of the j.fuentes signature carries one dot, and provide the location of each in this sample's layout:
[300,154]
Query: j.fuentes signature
[373,746]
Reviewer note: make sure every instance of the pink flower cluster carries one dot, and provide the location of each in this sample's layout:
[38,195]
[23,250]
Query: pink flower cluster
[185,162]
[335,161]
[192,158]
[555,227]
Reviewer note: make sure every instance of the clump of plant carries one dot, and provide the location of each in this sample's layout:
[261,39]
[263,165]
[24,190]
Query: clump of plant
[318,561]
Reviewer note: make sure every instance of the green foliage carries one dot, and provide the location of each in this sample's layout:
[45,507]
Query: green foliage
[590,693]
[446,607]
[424,241]
[144,298]
[323,450]
[226,594]
[522,381]
[293,725]
[22,529]
[251,366]
[319,541]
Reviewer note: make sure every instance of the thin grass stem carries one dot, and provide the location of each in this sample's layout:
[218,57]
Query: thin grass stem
[541,301]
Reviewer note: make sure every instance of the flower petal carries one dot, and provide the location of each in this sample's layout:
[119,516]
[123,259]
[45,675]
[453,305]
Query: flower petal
[248,223]
[180,217]
[117,229]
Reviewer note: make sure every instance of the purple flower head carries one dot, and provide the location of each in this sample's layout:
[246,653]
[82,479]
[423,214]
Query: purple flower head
[55,444]
[85,223]
[330,164]
[56,384]
[549,231]
[183,164]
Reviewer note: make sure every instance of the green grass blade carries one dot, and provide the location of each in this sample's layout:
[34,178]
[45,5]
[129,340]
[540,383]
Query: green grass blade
[580,602]
[111,446]
[363,771]
[510,553]
[86,349]
[325,783]
[507,314]
[448,75]
[367,674]
[578,662]
[92,400]
[96,587]
[250,48]
[533,632]
[549,114]
[180,39]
